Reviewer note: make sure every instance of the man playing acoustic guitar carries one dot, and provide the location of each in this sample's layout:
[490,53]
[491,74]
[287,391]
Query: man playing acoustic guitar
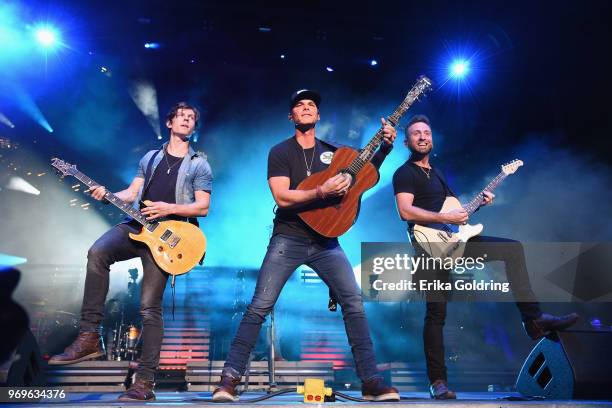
[176,183]
[294,243]
[420,191]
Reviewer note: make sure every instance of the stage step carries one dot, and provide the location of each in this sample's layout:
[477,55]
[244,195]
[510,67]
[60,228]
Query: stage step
[89,376]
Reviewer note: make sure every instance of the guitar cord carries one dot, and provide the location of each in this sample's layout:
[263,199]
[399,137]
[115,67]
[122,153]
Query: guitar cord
[425,240]
[173,293]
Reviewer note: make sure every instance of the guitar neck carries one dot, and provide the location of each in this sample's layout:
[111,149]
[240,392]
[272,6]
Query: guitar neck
[367,153]
[113,199]
[475,203]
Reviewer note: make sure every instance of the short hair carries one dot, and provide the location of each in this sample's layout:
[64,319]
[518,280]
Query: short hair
[183,105]
[417,119]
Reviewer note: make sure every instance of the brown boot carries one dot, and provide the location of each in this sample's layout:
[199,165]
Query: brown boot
[140,390]
[88,345]
[226,390]
[545,324]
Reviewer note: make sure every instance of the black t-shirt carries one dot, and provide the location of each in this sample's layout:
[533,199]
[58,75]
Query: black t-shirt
[429,193]
[162,186]
[288,159]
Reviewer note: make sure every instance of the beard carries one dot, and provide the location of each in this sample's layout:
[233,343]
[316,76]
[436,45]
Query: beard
[421,151]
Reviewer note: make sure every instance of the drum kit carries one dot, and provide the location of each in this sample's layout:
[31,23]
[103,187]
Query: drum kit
[55,329]
[122,343]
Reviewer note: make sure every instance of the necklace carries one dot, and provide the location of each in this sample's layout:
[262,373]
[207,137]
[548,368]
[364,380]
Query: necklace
[427,173]
[168,163]
[309,168]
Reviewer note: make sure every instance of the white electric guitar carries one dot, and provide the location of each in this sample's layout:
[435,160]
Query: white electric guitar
[445,240]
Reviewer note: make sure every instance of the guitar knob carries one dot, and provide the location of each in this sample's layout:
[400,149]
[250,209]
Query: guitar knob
[160,248]
[180,256]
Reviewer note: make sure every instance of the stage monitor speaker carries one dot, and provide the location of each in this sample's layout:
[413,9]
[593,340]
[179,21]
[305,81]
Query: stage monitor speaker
[572,365]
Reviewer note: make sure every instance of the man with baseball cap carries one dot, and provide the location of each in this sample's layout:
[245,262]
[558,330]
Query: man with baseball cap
[294,243]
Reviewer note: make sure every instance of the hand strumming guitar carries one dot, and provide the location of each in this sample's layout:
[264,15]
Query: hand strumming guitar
[337,185]
[157,209]
[458,216]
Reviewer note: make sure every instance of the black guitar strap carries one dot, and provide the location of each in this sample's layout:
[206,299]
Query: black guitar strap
[149,170]
[447,189]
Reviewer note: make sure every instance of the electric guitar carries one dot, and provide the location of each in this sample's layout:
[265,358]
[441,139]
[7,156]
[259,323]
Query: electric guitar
[334,216]
[176,246]
[446,240]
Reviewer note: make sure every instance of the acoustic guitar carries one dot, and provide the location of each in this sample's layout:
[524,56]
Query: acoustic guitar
[334,216]
[176,246]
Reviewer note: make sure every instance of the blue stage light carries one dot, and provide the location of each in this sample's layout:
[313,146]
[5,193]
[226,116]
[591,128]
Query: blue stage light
[329,69]
[459,68]
[152,45]
[47,37]
[373,63]
[11,260]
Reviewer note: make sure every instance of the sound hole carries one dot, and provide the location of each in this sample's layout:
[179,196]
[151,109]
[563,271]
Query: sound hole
[544,378]
[536,365]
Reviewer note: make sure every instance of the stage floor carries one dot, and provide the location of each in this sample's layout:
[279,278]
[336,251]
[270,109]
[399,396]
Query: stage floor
[413,400]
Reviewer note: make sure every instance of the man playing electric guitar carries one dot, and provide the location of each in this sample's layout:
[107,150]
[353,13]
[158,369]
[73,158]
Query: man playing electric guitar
[176,183]
[420,191]
[293,243]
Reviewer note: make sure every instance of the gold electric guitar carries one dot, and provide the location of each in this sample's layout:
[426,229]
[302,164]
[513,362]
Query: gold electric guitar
[176,246]
[446,240]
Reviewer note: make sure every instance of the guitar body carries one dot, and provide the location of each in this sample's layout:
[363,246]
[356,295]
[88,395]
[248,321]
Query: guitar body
[446,240]
[334,216]
[176,246]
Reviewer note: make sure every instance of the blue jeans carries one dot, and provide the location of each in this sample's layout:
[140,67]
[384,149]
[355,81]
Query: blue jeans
[285,254]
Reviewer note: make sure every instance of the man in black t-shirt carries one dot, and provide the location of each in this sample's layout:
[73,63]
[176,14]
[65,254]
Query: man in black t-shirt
[420,191]
[294,243]
[176,182]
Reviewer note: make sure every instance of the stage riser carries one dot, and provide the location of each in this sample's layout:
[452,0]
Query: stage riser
[89,376]
[288,374]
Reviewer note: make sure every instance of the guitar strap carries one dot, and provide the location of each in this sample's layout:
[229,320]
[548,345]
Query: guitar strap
[447,189]
[149,170]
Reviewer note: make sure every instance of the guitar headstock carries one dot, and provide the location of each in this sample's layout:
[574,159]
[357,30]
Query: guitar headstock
[420,88]
[510,168]
[65,168]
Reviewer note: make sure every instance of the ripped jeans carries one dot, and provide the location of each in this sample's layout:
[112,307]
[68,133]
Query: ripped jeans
[285,254]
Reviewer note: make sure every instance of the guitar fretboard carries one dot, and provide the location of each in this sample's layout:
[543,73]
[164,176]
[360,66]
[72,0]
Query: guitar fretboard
[475,203]
[369,150]
[113,199]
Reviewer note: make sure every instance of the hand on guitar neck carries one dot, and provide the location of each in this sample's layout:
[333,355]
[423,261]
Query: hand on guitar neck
[97,192]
